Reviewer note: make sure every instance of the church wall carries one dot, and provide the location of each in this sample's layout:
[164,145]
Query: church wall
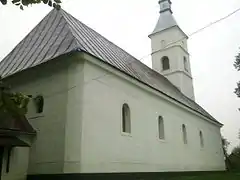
[52,81]
[106,149]
[18,165]
[73,127]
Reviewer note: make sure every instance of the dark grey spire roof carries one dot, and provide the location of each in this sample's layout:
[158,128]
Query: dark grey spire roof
[166,20]
[60,33]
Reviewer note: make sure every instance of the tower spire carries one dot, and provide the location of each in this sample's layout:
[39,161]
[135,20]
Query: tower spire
[172,61]
[166,19]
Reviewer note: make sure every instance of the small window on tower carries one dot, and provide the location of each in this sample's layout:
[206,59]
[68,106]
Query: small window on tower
[164,5]
[163,43]
[165,63]
[185,63]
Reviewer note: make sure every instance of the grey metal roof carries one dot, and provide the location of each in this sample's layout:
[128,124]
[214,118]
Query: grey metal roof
[59,33]
[165,21]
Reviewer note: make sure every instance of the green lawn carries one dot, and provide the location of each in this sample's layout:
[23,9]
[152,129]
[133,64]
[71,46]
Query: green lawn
[222,176]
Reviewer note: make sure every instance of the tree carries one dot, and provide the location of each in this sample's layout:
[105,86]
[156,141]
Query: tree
[12,103]
[237,66]
[239,134]
[235,158]
[225,144]
[25,3]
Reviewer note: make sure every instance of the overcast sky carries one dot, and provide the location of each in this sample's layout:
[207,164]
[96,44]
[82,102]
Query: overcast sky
[128,23]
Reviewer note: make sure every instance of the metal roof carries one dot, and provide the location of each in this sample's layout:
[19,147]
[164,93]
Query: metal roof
[165,21]
[60,33]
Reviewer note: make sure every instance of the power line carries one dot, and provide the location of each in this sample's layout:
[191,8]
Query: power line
[195,32]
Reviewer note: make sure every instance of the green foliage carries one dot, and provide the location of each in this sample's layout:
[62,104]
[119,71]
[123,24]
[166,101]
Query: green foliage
[13,103]
[235,158]
[237,66]
[236,151]
[225,144]
[22,3]
[237,62]
[237,90]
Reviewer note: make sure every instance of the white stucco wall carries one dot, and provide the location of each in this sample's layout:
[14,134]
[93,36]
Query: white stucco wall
[106,149]
[80,128]
[59,85]
[18,165]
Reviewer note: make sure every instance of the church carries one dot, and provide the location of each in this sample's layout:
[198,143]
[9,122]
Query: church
[102,111]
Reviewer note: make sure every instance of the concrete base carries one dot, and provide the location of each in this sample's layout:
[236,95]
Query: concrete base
[117,176]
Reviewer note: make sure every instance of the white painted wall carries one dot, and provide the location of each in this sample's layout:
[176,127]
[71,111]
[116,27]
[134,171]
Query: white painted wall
[73,127]
[80,128]
[106,149]
[18,164]
[175,50]
[59,85]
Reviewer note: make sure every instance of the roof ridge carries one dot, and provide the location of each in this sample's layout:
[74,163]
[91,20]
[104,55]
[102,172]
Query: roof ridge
[68,14]
[35,27]
[63,14]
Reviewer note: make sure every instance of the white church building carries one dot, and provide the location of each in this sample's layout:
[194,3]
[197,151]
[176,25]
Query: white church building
[103,111]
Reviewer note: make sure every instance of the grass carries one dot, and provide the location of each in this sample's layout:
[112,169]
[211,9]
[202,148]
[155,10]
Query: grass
[221,176]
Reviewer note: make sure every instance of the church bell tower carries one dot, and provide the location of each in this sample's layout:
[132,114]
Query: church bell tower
[170,55]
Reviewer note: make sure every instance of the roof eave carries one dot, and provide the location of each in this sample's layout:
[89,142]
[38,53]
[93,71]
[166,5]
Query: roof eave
[162,30]
[213,120]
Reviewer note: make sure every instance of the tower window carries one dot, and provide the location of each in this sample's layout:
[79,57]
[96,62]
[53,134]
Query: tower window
[201,139]
[161,128]
[163,43]
[165,63]
[184,133]
[126,120]
[185,63]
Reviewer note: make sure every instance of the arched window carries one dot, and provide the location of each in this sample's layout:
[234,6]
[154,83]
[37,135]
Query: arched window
[184,131]
[161,128]
[185,63]
[126,119]
[163,43]
[201,139]
[183,43]
[165,63]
